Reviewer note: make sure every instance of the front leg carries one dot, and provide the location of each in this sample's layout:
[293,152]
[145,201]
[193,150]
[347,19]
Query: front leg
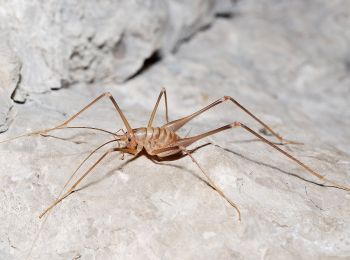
[162,92]
[64,125]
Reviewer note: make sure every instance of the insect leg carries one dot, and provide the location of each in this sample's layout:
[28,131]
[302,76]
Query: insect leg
[177,124]
[106,94]
[81,164]
[75,185]
[212,183]
[163,91]
[187,141]
[65,185]
[303,165]
[65,123]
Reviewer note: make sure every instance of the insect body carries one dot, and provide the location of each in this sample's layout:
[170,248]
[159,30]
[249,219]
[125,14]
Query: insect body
[154,138]
[164,141]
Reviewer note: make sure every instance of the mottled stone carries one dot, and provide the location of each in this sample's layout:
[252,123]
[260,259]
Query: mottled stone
[10,67]
[65,42]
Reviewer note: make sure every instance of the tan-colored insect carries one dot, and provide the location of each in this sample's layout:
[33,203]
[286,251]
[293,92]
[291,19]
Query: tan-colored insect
[163,141]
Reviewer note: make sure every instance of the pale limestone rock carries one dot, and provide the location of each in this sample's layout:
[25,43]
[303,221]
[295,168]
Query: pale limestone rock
[10,67]
[66,42]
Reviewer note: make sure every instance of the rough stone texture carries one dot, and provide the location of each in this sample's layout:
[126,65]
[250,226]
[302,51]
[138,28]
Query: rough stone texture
[287,62]
[64,42]
[9,78]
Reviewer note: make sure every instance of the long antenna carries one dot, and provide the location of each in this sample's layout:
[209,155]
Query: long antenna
[43,132]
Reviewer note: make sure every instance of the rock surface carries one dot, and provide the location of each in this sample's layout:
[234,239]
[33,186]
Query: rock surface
[65,42]
[10,67]
[288,63]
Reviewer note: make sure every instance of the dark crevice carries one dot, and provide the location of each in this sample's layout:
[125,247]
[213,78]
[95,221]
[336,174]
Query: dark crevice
[17,88]
[228,15]
[147,64]
[187,38]
[157,57]
[204,27]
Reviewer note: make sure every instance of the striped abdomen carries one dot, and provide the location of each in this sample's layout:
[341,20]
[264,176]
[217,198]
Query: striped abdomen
[153,138]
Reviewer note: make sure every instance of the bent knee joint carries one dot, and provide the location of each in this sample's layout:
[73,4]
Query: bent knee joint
[236,124]
[108,94]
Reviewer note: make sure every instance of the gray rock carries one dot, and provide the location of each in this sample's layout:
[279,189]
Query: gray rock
[66,42]
[10,67]
[73,41]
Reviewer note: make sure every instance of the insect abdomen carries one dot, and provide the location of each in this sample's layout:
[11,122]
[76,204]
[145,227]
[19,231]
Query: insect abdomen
[153,138]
